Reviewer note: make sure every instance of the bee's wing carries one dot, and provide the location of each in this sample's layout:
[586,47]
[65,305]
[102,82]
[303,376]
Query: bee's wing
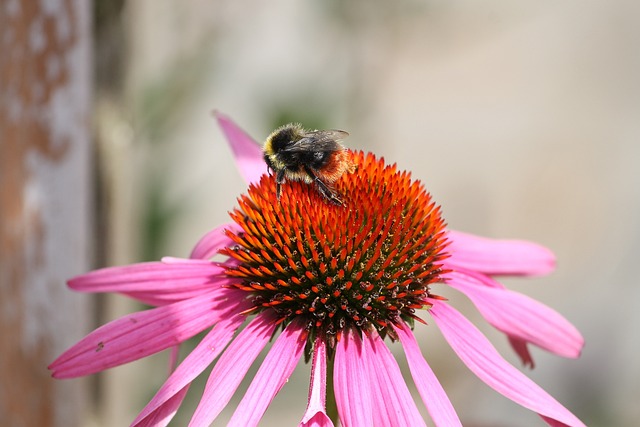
[319,140]
[322,135]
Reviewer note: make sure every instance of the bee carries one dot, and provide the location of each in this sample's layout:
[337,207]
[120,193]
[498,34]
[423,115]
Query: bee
[315,157]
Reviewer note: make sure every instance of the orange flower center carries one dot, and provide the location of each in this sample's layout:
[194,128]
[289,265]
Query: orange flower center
[366,264]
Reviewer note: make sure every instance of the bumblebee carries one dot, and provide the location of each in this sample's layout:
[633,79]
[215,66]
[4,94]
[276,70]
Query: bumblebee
[315,157]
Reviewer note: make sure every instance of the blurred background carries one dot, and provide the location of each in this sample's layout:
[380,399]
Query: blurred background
[521,118]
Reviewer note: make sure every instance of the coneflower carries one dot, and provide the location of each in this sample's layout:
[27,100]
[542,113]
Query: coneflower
[330,282]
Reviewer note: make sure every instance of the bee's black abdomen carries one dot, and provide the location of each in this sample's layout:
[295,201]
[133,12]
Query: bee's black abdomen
[317,159]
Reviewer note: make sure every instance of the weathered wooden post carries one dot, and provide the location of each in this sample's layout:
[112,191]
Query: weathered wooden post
[45,204]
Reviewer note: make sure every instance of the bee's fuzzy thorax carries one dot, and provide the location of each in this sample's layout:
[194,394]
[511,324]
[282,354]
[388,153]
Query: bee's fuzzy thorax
[283,136]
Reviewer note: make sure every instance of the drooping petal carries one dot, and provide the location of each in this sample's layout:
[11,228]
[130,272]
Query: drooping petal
[351,382]
[163,298]
[214,240]
[184,261]
[169,276]
[519,345]
[393,404]
[232,367]
[140,334]
[174,353]
[482,278]
[320,419]
[272,376]
[247,152]
[316,415]
[483,360]
[519,316]
[165,413]
[433,395]
[522,350]
[193,365]
[506,257]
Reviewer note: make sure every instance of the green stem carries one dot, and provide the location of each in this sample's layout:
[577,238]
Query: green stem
[332,406]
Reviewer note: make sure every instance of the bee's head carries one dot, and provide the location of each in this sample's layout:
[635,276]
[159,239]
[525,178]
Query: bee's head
[283,137]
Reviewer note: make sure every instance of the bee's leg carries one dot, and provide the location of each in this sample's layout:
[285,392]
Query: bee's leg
[279,182]
[323,188]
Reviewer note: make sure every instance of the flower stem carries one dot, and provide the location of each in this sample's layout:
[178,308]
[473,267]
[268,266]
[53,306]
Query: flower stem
[332,407]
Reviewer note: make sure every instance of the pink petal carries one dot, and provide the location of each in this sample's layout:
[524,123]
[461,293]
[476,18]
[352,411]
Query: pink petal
[158,298]
[272,376]
[214,240]
[174,353]
[167,277]
[232,367]
[193,365]
[184,261]
[315,415]
[393,403]
[247,152]
[163,416]
[137,335]
[510,257]
[482,278]
[320,419]
[483,360]
[161,298]
[519,316]
[522,350]
[433,395]
[351,382]
[519,345]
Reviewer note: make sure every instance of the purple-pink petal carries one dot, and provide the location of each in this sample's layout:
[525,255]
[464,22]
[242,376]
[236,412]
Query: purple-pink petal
[164,298]
[193,365]
[213,241]
[351,382]
[174,354]
[272,376]
[522,350]
[232,367]
[393,403]
[141,334]
[519,316]
[165,413]
[483,360]
[519,345]
[247,152]
[320,419]
[498,257]
[315,414]
[433,395]
[169,276]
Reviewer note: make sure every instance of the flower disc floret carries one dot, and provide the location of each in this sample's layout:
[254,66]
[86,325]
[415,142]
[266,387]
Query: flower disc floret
[365,264]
